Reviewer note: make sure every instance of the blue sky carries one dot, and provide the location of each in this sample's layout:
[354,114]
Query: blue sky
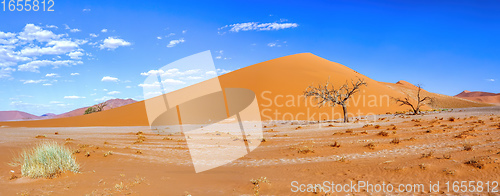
[87,51]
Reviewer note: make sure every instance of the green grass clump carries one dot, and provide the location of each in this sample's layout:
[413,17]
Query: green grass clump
[47,160]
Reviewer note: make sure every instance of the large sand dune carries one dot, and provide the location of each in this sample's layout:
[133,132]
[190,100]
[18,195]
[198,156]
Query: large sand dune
[278,85]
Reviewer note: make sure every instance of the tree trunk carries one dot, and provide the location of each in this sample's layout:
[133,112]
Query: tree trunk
[344,109]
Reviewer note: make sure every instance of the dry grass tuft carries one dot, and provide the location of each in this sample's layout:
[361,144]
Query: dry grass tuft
[451,119]
[468,147]
[383,133]
[40,136]
[349,131]
[447,156]
[46,160]
[370,145]
[395,141]
[428,155]
[475,162]
[305,150]
[376,126]
[335,145]
[256,183]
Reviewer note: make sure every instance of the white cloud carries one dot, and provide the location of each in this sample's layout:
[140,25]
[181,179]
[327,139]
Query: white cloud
[150,85]
[111,43]
[170,35]
[51,26]
[47,84]
[32,81]
[109,79]
[175,42]
[158,37]
[105,98]
[75,30]
[5,72]
[75,55]
[104,30]
[184,31]
[51,75]
[73,97]
[32,32]
[223,71]
[128,87]
[174,72]
[491,80]
[55,47]
[86,10]
[211,73]
[257,26]
[94,35]
[114,92]
[33,66]
[75,74]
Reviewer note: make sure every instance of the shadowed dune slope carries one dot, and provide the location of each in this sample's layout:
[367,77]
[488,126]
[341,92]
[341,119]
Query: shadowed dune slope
[278,85]
[440,101]
[484,97]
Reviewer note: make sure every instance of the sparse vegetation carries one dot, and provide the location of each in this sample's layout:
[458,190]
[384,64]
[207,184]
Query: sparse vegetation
[428,155]
[96,108]
[383,133]
[395,141]
[46,160]
[256,183]
[327,94]
[370,145]
[468,147]
[335,145]
[376,126]
[475,162]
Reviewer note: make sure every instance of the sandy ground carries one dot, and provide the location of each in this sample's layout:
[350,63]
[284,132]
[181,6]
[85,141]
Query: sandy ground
[431,147]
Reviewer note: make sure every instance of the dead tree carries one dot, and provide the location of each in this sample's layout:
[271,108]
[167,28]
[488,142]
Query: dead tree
[415,109]
[327,94]
[100,107]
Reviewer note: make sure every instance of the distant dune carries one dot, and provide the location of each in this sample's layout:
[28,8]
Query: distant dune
[112,103]
[278,85]
[484,97]
[439,100]
[16,115]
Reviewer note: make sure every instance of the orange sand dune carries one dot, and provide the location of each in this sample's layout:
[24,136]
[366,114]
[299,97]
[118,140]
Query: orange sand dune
[278,85]
[483,97]
[439,100]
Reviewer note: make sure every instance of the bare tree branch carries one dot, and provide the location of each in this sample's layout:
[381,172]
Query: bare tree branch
[327,93]
[415,109]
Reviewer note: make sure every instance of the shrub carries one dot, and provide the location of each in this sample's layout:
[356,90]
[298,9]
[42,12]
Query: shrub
[47,160]
[383,133]
[395,141]
[90,110]
[370,145]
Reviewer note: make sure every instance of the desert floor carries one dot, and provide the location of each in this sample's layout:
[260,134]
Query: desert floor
[447,146]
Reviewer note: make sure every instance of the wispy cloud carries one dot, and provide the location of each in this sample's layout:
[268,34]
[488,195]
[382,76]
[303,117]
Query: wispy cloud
[104,30]
[114,92]
[175,42]
[73,97]
[75,74]
[112,43]
[51,75]
[257,26]
[109,79]
[86,10]
[32,81]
